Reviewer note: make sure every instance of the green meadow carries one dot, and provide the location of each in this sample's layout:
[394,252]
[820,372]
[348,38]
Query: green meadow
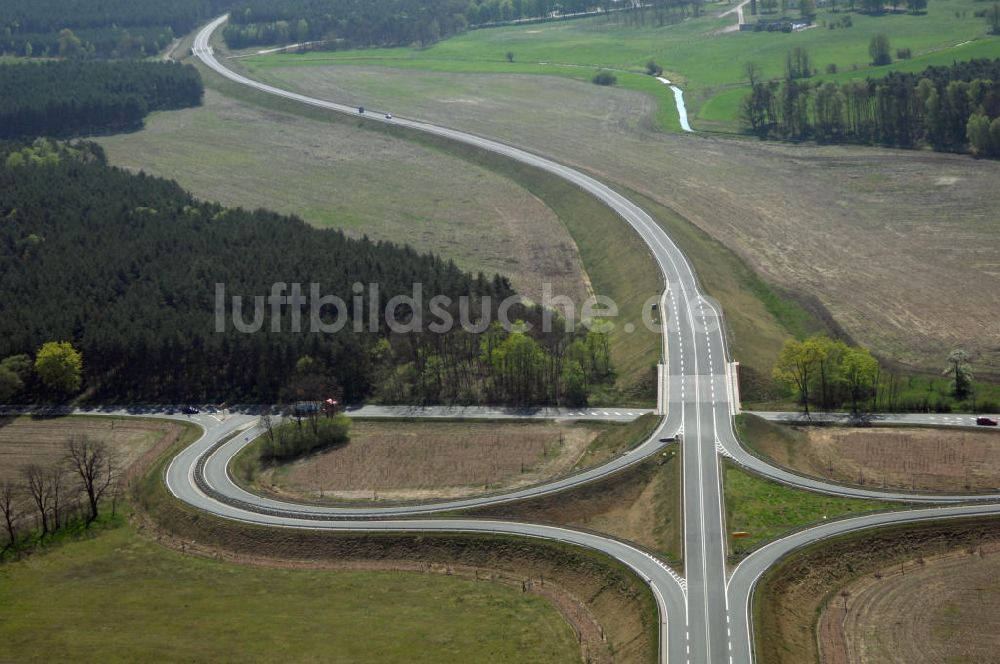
[707,64]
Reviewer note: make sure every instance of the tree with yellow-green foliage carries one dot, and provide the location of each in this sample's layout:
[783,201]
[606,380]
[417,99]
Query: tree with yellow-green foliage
[59,366]
[859,370]
[797,364]
[836,371]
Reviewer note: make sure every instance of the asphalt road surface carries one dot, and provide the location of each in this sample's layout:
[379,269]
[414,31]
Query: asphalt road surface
[704,615]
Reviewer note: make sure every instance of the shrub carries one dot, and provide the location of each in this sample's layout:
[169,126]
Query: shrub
[653,69]
[604,77]
[831,68]
[303,436]
[880,51]
[903,54]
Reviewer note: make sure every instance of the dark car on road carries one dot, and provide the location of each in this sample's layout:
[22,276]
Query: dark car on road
[986,421]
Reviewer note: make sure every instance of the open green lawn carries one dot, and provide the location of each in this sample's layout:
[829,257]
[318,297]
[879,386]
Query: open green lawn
[706,65]
[767,509]
[118,597]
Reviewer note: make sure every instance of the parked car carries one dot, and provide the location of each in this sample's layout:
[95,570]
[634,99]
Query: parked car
[189,410]
[986,421]
[361,109]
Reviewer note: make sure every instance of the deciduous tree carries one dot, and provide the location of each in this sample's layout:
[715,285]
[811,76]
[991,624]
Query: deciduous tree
[8,509]
[880,50]
[859,370]
[60,366]
[93,463]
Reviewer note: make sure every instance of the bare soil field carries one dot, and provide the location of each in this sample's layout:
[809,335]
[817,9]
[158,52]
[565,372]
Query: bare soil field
[364,183]
[387,460]
[897,245]
[933,460]
[940,609]
[25,440]
[951,626]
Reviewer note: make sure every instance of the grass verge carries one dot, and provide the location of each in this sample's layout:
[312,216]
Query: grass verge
[765,509]
[641,504]
[616,439]
[758,318]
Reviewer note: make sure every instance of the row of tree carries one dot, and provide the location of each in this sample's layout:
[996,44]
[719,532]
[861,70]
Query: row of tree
[651,12]
[72,98]
[496,366]
[933,107]
[829,373]
[45,498]
[101,28]
[347,23]
[56,369]
[357,23]
[126,267]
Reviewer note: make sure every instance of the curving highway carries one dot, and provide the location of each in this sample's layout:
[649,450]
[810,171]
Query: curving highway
[704,615]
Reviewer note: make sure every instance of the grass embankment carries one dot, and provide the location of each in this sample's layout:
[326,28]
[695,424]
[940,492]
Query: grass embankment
[766,510]
[641,504]
[615,439]
[758,319]
[623,270]
[791,596]
[709,69]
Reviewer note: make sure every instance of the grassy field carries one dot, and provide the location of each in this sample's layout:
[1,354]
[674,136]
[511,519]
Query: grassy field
[333,175]
[121,597]
[416,460]
[912,459]
[766,509]
[611,609]
[526,247]
[707,64]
